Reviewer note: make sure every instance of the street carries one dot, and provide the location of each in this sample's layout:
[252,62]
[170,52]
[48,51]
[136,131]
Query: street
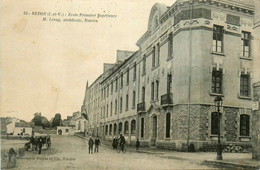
[71,152]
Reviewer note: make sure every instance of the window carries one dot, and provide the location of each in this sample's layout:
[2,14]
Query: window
[126,127]
[111,109]
[104,92]
[214,123]
[217,38]
[127,76]
[245,44]
[115,107]
[158,55]
[67,130]
[107,110]
[244,85]
[143,94]
[116,84]
[115,128]
[106,129]
[169,83]
[142,127]
[110,129]
[170,46]
[152,91]
[133,102]
[122,78]
[112,88]
[157,90]
[104,110]
[216,86]
[168,125]
[121,104]
[134,72]
[244,125]
[126,102]
[133,127]
[144,65]
[107,90]
[120,128]
[153,58]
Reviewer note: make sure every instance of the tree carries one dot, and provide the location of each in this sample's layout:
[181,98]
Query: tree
[45,122]
[37,119]
[57,120]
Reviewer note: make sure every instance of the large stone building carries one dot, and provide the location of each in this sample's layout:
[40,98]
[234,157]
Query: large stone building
[164,93]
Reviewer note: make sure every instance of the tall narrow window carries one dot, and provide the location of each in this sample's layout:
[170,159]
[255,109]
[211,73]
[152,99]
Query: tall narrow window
[127,76]
[153,57]
[144,65]
[244,85]
[142,127]
[126,127]
[134,72]
[169,83]
[214,123]
[143,94]
[170,46]
[110,129]
[168,125]
[121,104]
[107,110]
[133,127]
[107,90]
[244,125]
[115,128]
[152,91]
[116,84]
[217,38]
[115,107]
[158,55]
[111,109]
[122,78]
[157,90]
[126,102]
[120,128]
[104,111]
[112,87]
[133,101]
[245,44]
[216,86]
[106,129]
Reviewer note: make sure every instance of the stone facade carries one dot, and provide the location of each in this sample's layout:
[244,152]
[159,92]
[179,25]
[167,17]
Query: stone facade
[167,88]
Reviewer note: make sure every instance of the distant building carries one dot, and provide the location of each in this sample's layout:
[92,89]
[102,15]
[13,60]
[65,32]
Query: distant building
[164,93]
[19,128]
[65,130]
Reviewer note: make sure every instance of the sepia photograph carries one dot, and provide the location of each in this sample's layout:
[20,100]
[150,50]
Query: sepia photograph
[130,85]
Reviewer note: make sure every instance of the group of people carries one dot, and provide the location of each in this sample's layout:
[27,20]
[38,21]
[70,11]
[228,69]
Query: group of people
[36,143]
[91,143]
[120,142]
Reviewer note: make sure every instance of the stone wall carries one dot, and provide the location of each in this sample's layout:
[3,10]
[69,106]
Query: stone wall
[231,123]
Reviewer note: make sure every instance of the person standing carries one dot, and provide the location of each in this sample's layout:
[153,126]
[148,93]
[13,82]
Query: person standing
[40,145]
[97,142]
[137,144]
[90,145]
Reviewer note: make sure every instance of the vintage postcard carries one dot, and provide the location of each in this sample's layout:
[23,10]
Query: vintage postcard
[152,84]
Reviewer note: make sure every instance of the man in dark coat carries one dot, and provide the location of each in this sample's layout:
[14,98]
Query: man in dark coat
[90,145]
[40,144]
[137,144]
[97,142]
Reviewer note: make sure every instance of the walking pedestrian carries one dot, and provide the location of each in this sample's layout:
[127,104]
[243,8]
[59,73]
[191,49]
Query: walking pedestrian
[114,143]
[90,145]
[11,158]
[97,142]
[137,144]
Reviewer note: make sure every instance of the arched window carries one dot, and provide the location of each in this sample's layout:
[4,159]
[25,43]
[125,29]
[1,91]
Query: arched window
[133,127]
[244,125]
[120,128]
[126,127]
[214,123]
[168,125]
[142,127]
[115,128]
[106,129]
[110,129]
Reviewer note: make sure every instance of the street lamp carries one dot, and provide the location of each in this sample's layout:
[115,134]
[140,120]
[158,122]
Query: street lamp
[218,104]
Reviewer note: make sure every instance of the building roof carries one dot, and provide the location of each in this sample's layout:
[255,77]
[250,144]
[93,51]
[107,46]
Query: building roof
[22,124]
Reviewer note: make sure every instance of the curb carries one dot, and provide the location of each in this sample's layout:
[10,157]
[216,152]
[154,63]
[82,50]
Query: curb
[225,164]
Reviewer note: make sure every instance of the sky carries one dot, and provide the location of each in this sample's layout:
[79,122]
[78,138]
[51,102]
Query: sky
[45,64]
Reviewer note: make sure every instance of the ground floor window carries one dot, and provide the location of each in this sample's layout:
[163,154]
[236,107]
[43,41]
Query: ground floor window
[106,129]
[214,123]
[120,128]
[244,125]
[133,127]
[110,129]
[126,127]
[115,128]
[168,125]
[142,127]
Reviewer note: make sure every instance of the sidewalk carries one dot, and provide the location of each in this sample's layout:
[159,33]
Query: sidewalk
[230,160]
